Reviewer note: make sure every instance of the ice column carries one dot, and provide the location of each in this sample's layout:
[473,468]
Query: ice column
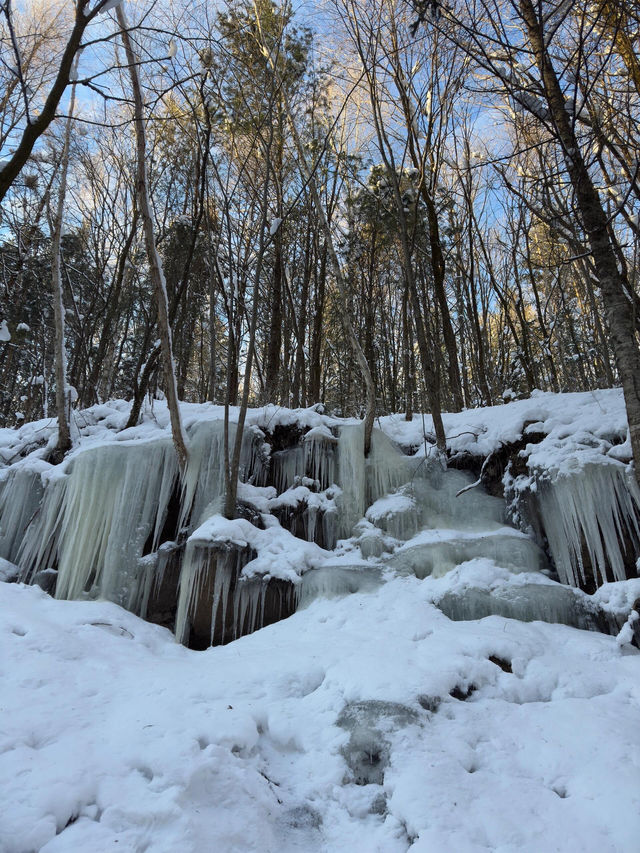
[98,517]
[598,506]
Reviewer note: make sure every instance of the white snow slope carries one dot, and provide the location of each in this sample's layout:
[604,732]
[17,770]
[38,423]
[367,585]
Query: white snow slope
[114,737]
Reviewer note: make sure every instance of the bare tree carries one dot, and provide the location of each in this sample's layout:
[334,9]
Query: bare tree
[153,256]
[36,124]
[63,394]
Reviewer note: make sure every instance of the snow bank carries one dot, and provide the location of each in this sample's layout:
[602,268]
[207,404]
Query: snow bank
[578,428]
[115,736]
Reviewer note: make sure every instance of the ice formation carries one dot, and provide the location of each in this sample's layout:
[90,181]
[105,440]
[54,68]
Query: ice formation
[20,495]
[94,522]
[319,520]
[396,514]
[527,603]
[208,579]
[307,514]
[362,480]
[217,604]
[313,458]
[203,483]
[331,581]
[599,507]
[435,552]
[351,476]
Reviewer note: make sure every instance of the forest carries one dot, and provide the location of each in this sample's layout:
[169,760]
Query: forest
[381,206]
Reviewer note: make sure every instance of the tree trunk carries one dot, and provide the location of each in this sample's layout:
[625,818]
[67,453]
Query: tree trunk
[315,370]
[155,263]
[63,400]
[341,284]
[36,126]
[618,307]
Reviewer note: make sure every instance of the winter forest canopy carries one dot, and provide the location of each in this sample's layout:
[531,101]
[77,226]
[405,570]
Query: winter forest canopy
[455,192]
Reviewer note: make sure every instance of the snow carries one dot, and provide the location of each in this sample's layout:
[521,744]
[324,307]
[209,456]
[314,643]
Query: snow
[390,505]
[113,733]
[279,553]
[5,334]
[618,597]
[578,428]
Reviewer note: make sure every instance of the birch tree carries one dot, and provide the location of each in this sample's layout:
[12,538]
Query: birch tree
[153,256]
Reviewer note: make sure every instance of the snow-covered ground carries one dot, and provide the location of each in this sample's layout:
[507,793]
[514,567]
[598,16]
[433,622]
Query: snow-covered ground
[114,737]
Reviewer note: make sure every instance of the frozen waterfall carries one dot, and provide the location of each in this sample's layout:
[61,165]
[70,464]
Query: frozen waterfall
[595,509]
[114,521]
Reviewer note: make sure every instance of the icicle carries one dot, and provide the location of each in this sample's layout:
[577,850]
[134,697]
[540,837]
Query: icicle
[286,466]
[258,456]
[364,481]
[329,529]
[387,467]
[249,603]
[20,494]
[225,575]
[351,477]
[204,481]
[98,517]
[147,580]
[38,549]
[209,578]
[598,506]
[193,566]
[310,518]
[320,456]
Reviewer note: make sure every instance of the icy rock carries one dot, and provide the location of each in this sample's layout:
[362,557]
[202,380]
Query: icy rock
[528,603]
[8,571]
[369,723]
[332,581]
[437,552]
[308,515]
[446,501]
[630,632]
[158,587]
[372,541]
[46,579]
[396,514]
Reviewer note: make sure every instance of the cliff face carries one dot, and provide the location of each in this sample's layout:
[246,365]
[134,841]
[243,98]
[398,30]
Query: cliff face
[539,489]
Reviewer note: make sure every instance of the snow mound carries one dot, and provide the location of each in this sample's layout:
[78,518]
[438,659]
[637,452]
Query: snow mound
[367,723]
